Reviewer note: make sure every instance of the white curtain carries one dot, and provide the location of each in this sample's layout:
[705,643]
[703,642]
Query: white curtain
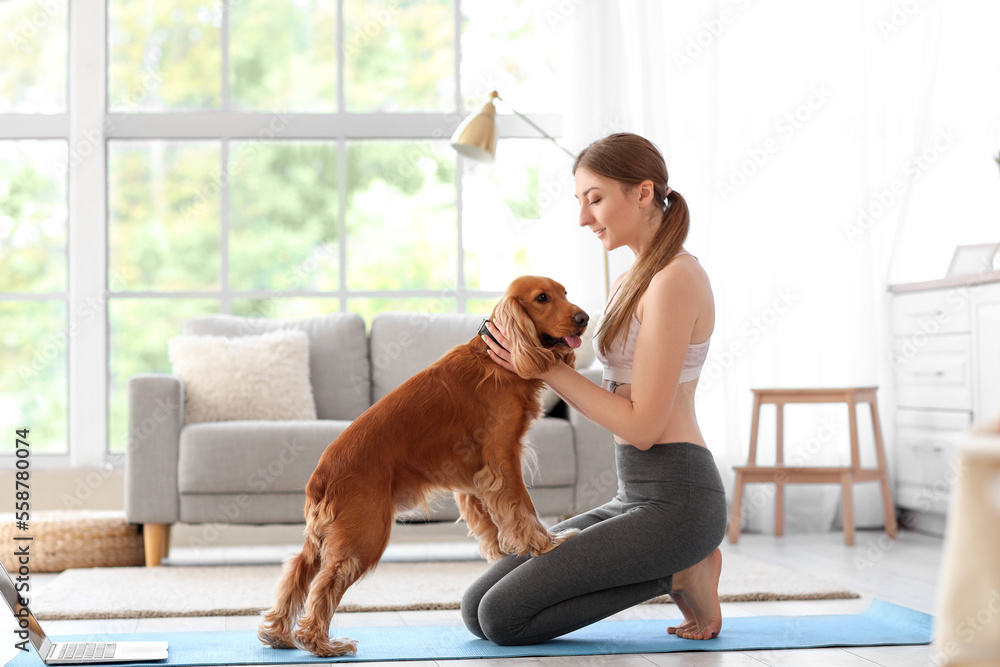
[825,150]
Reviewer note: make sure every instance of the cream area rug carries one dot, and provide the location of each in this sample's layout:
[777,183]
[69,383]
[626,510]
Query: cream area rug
[239,590]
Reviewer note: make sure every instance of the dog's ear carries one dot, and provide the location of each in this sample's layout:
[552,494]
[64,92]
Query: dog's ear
[526,354]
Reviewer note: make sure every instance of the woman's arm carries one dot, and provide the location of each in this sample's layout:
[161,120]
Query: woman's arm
[668,317]
[569,402]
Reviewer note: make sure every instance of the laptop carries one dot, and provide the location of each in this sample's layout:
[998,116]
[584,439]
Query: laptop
[73,653]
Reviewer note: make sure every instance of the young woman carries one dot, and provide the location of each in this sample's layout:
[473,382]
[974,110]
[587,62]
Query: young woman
[661,532]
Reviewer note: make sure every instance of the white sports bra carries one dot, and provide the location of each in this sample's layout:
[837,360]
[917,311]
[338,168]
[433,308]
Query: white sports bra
[618,363]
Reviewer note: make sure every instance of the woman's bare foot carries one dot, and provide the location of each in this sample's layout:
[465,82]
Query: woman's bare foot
[696,592]
[689,621]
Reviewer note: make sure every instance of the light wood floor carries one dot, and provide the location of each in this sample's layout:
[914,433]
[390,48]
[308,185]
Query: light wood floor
[905,572]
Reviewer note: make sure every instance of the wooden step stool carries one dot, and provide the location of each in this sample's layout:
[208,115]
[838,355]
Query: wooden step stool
[780,474]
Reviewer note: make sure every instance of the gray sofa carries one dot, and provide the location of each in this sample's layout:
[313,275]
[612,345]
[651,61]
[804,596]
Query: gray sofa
[255,472]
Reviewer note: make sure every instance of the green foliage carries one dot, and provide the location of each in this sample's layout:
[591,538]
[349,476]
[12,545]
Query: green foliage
[164,55]
[399,56]
[32,217]
[164,215]
[480,306]
[283,55]
[33,382]
[401,231]
[33,56]
[523,201]
[283,220]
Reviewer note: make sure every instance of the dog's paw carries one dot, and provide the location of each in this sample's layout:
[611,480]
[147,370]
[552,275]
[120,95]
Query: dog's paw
[536,542]
[322,646]
[565,534]
[268,637]
[555,539]
[490,550]
[275,632]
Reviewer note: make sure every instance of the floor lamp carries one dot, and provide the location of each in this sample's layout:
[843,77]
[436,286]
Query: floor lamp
[476,138]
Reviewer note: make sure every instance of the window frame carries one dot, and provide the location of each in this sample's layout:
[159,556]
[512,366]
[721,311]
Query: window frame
[88,116]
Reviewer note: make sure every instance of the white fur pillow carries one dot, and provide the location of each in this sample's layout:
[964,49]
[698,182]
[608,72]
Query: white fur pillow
[246,377]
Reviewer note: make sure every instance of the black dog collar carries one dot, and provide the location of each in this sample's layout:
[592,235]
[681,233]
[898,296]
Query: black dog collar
[484,330]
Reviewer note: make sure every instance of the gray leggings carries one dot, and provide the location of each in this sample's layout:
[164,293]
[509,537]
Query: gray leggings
[669,514]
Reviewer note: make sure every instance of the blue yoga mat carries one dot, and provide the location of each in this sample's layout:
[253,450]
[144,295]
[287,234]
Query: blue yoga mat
[882,624]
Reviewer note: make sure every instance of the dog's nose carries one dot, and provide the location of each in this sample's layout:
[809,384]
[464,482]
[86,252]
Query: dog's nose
[581,318]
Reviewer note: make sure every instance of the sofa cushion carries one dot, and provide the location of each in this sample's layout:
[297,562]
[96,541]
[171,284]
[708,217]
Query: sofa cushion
[279,456]
[552,439]
[252,456]
[403,344]
[218,510]
[338,355]
[246,377]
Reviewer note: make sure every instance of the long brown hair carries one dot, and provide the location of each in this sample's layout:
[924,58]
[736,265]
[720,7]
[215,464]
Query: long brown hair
[630,160]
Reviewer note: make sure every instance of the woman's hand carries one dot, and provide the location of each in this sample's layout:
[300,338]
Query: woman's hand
[499,353]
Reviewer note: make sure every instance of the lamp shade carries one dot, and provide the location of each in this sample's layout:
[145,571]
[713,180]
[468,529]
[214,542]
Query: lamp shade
[476,138]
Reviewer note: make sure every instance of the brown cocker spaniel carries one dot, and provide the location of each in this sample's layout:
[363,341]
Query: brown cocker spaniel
[458,426]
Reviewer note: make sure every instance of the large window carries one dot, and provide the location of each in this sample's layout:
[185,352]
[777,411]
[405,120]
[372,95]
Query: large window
[275,159]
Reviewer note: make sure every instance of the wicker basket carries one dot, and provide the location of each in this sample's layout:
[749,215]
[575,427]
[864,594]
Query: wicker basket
[69,539]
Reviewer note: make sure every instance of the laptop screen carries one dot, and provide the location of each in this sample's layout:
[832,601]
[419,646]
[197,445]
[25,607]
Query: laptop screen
[25,619]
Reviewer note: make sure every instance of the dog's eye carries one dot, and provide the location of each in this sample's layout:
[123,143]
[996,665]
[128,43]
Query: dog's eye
[542,298]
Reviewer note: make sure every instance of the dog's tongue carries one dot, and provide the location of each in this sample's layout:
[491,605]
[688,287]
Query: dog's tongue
[573,341]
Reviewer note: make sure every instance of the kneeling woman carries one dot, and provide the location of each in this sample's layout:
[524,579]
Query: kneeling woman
[661,532]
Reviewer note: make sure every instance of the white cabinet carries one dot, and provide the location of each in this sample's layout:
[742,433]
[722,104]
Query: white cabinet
[986,352]
[926,455]
[946,361]
[937,375]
